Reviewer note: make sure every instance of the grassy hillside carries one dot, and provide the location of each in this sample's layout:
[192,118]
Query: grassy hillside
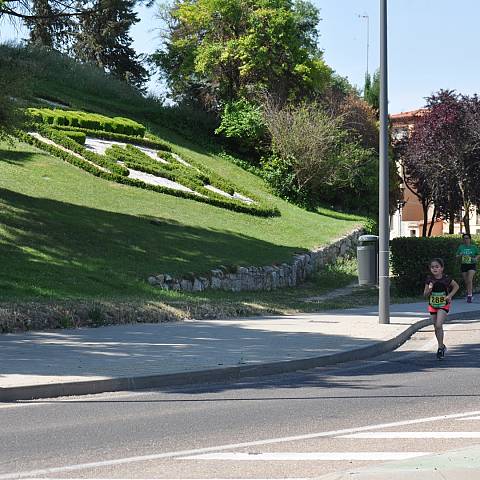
[65,234]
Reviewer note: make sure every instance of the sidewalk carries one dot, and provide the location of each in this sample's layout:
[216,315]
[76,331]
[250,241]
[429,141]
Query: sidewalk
[92,360]
[461,464]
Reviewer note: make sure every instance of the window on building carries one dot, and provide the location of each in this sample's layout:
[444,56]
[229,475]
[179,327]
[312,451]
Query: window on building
[413,233]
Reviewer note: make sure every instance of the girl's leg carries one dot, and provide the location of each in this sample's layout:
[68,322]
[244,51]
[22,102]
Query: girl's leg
[438,320]
[469,281]
[465,280]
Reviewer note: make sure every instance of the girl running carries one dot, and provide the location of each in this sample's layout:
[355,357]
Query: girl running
[439,289]
[469,254]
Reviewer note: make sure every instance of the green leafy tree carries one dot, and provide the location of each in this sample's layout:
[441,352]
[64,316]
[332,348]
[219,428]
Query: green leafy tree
[218,51]
[243,122]
[33,9]
[371,90]
[103,39]
[48,28]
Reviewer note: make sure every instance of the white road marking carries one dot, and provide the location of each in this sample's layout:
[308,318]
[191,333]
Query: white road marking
[469,418]
[19,405]
[309,456]
[183,453]
[413,435]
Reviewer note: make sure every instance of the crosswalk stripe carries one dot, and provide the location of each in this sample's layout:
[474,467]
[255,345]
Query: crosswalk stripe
[368,435]
[286,456]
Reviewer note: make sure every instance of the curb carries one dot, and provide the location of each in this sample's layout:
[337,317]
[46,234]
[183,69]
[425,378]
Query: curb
[228,374]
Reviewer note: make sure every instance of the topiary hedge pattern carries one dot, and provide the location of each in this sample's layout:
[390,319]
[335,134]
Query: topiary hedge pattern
[79,137]
[93,121]
[118,173]
[190,177]
[93,157]
[410,260]
[118,137]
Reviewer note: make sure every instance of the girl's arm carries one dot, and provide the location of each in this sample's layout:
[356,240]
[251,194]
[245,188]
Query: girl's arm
[454,290]
[428,289]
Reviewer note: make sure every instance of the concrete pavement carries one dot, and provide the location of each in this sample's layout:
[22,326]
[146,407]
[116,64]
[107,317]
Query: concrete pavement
[463,464]
[128,357]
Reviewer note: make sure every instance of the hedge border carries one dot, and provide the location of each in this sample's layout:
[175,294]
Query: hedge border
[410,258]
[66,142]
[120,137]
[79,137]
[79,118]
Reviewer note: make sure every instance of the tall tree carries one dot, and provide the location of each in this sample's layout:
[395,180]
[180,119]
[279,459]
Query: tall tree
[218,51]
[103,39]
[416,173]
[48,28]
[36,10]
[371,90]
[442,158]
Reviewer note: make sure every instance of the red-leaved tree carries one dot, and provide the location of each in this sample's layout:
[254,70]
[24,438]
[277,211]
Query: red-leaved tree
[441,158]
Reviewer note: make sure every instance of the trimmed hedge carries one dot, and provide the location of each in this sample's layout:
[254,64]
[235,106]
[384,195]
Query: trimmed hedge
[66,142]
[257,210]
[134,158]
[118,137]
[213,178]
[190,177]
[79,137]
[410,260]
[86,120]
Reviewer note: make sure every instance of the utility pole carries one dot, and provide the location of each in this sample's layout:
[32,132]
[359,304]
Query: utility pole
[365,16]
[383,206]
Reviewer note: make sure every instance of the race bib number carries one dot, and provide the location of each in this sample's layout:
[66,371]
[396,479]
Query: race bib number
[467,259]
[438,300]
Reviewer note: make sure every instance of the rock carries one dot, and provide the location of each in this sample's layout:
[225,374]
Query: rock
[186,285]
[197,285]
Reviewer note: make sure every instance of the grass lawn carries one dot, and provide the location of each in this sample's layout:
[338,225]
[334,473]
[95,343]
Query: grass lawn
[65,234]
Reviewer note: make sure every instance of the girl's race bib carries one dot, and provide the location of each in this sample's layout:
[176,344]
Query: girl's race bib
[467,259]
[438,299]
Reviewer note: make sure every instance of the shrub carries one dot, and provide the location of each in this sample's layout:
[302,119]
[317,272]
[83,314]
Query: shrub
[72,145]
[319,159]
[155,143]
[411,256]
[371,226]
[79,137]
[243,122]
[279,174]
[91,121]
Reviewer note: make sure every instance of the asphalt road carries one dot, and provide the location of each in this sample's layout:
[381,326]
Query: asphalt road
[303,425]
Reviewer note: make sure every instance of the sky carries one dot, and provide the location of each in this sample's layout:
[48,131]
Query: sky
[432,44]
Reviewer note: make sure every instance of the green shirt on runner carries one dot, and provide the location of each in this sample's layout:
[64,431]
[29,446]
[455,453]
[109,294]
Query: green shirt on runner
[468,253]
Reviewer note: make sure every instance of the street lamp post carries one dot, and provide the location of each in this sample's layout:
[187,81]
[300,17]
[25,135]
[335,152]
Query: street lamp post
[383,212]
[367,18]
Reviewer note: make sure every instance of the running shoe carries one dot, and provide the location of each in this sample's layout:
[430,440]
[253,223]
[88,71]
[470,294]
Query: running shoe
[469,298]
[441,352]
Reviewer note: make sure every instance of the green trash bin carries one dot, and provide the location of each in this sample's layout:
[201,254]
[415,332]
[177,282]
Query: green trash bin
[367,259]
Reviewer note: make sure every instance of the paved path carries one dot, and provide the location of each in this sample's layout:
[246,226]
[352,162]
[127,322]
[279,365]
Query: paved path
[173,353]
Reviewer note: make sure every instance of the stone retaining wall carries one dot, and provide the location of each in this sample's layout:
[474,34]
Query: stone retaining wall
[263,278]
